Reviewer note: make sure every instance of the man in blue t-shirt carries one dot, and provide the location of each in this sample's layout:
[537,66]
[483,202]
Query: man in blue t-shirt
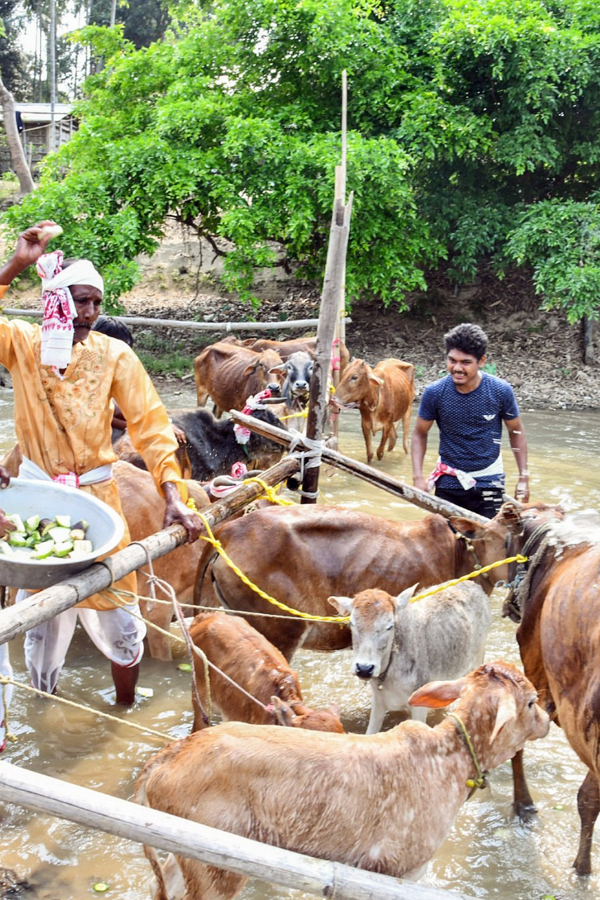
[469,407]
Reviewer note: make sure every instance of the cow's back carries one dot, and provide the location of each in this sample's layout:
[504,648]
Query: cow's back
[450,631]
[398,390]
[230,373]
[313,552]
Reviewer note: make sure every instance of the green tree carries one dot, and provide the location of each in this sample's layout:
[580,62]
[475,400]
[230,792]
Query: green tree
[233,124]
[472,127]
[14,70]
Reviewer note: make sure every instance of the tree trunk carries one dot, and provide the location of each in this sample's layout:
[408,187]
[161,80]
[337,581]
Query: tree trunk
[17,154]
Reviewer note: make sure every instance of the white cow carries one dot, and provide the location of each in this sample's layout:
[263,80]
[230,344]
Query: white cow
[400,646]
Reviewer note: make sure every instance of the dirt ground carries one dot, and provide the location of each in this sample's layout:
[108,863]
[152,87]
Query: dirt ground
[539,353]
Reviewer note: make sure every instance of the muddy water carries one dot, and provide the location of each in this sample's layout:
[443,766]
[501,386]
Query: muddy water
[488,853]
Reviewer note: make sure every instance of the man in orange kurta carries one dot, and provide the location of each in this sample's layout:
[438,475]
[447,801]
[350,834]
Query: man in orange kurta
[63,425]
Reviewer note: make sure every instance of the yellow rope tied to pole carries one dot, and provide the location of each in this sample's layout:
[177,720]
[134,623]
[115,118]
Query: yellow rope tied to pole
[270,492]
[475,574]
[298,415]
[211,539]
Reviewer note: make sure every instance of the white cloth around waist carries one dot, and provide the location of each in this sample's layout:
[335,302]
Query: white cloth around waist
[467,479]
[29,469]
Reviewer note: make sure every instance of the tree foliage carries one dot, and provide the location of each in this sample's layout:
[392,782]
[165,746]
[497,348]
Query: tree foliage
[472,134]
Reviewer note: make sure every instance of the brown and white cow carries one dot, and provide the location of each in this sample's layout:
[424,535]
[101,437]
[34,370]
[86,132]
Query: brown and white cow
[400,644]
[229,374]
[301,555]
[382,802]
[384,396]
[559,641]
[247,658]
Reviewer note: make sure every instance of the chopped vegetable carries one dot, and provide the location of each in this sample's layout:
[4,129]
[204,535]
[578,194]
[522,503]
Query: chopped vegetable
[40,538]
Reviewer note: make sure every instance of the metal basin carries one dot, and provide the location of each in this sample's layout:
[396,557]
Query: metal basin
[46,499]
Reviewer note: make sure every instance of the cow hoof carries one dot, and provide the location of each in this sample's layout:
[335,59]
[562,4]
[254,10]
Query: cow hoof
[525,813]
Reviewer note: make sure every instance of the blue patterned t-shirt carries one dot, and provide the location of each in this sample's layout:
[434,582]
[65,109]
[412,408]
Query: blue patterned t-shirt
[470,425]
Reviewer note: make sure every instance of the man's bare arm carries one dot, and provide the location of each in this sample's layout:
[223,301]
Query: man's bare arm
[518,444]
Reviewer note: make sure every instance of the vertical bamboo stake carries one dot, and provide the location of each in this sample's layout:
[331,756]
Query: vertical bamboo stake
[318,403]
[340,197]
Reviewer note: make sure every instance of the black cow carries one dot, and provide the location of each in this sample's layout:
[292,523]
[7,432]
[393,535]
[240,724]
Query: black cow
[211,445]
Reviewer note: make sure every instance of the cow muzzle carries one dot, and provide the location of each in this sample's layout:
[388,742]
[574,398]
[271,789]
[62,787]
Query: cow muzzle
[364,671]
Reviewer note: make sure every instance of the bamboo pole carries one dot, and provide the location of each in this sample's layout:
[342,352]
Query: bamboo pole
[407,492]
[340,198]
[53,600]
[318,402]
[192,326]
[51,796]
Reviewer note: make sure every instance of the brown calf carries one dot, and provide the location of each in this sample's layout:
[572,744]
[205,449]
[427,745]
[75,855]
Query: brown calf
[382,802]
[384,396]
[252,662]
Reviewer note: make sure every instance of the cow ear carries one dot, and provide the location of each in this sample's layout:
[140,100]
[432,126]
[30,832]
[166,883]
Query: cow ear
[375,379]
[403,598]
[437,694]
[284,714]
[467,527]
[342,604]
[279,369]
[510,516]
[507,710]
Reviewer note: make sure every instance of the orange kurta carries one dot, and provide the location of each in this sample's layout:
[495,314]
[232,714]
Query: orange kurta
[64,425]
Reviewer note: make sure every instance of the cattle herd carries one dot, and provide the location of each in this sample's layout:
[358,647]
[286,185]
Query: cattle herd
[361,803]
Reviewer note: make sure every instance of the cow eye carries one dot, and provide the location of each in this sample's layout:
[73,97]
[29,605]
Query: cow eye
[531,703]
[389,627]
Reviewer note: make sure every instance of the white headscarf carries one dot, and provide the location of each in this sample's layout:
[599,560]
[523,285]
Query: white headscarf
[59,309]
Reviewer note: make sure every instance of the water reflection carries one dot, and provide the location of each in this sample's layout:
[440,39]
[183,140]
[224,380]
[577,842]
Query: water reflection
[488,854]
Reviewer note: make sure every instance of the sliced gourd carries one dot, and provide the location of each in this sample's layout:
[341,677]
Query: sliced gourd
[43,550]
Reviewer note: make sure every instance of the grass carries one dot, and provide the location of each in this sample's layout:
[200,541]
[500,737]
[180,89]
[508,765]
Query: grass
[163,357]
[9,186]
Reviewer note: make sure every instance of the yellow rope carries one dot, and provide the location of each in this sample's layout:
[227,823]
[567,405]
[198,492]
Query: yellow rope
[5,681]
[298,415]
[271,492]
[475,574]
[211,539]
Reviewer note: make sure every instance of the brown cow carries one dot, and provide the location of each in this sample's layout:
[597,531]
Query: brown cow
[301,555]
[251,661]
[144,509]
[384,396]
[559,641]
[382,802]
[229,374]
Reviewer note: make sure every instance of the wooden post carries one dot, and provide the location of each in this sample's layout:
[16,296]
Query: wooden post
[50,796]
[411,494]
[318,401]
[340,197]
[53,600]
